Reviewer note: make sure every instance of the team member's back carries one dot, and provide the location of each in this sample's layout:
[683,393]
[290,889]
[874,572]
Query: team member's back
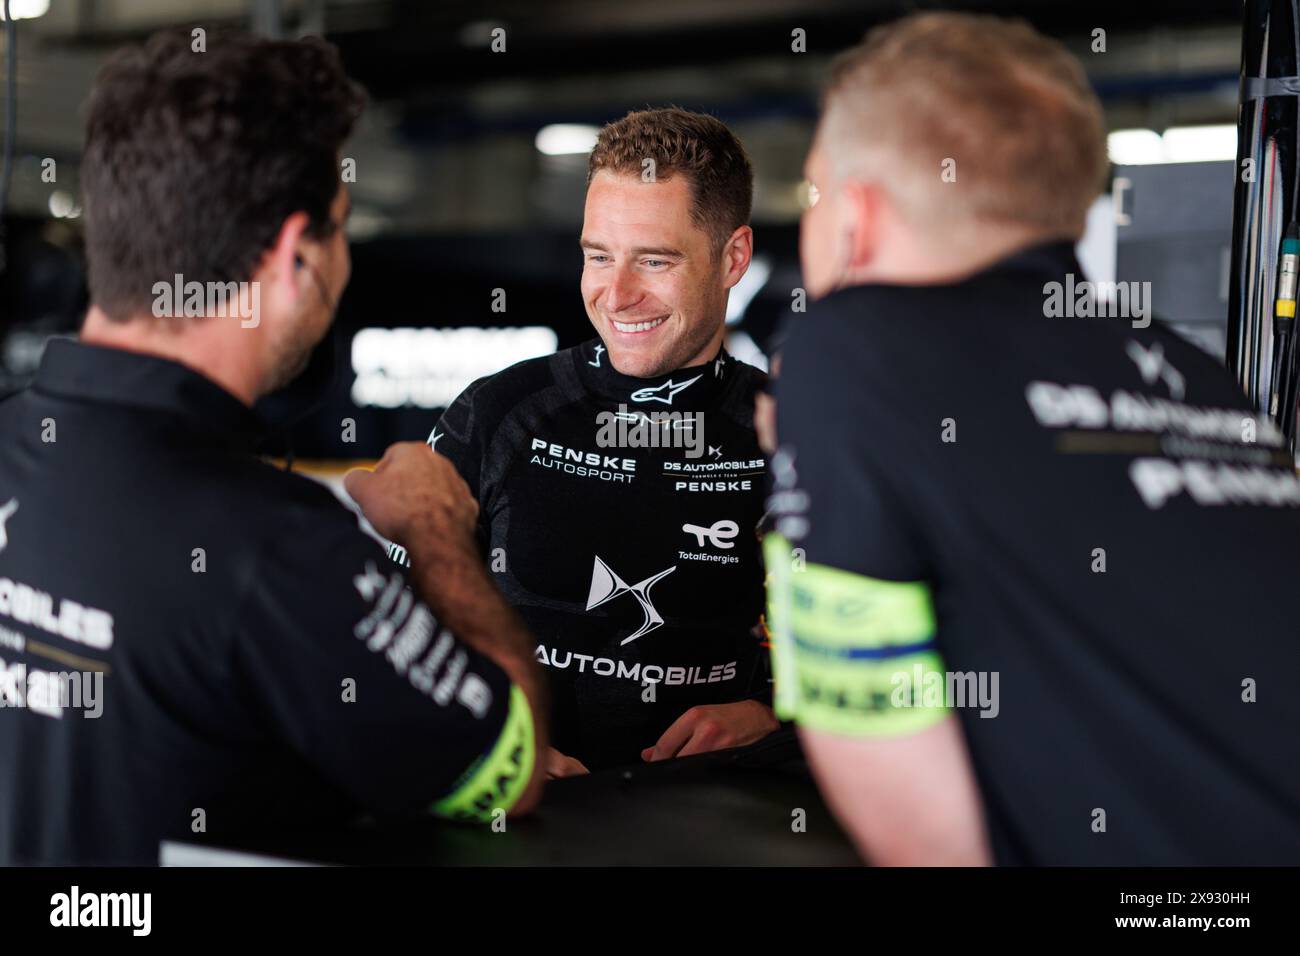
[144,545]
[1109,537]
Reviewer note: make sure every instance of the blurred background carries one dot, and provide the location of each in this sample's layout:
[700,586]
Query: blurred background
[470,164]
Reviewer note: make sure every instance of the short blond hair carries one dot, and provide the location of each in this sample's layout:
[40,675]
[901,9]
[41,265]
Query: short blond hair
[994,103]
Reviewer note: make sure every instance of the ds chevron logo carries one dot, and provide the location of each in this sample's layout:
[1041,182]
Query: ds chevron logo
[607,585]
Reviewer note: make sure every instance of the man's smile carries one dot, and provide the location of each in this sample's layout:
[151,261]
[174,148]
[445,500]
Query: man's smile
[633,328]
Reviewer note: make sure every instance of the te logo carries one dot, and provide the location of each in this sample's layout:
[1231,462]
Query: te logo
[719,534]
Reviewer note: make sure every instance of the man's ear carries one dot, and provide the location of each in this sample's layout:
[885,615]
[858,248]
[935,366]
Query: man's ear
[863,211]
[736,255]
[281,261]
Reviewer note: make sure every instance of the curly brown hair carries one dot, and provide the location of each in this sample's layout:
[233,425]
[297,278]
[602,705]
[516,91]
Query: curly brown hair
[194,158]
[694,145]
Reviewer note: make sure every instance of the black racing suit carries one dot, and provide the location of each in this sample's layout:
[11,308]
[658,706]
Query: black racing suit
[1070,533]
[636,568]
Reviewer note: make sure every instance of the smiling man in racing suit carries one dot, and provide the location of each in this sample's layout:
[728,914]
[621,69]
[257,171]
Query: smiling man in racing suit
[620,481]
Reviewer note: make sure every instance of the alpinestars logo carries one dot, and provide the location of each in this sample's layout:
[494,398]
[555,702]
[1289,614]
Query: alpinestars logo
[663,393]
[596,364]
[607,585]
[5,514]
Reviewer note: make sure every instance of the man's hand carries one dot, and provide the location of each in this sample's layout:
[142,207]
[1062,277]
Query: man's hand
[416,498]
[562,765]
[713,727]
[415,492]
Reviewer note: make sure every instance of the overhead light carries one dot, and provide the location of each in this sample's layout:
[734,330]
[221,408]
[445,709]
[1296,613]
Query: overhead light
[1179,144]
[1199,144]
[63,205]
[564,139]
[26,9]
[1135,147]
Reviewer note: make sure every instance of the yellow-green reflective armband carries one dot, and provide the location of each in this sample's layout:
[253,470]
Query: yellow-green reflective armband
[851,654]
[499,779]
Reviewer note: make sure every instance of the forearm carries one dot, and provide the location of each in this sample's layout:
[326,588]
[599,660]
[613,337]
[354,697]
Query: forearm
[415,498]
[928,841]
[905,801]
[457,587]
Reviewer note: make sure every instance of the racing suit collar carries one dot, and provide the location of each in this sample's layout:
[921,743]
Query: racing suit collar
[1056,257]
[695,386]
[93,373]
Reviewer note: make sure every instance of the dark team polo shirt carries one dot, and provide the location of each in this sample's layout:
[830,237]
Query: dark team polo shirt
[637,568]
[241,687]
[1085,511]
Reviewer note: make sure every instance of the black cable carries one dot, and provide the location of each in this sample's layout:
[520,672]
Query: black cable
[1281,339]
[1282,385]
[1287,409]
[11,120]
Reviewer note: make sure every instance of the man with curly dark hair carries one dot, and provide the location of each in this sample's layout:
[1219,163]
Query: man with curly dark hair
[193,644]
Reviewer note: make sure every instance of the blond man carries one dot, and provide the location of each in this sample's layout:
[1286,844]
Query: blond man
[1029,560]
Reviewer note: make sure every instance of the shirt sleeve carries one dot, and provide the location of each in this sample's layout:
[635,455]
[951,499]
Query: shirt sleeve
[850,608]
[459,437]
[352,672]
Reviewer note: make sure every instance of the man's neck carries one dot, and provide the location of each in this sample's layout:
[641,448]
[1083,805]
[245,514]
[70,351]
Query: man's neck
[201,344]
[914,259]
[707,353]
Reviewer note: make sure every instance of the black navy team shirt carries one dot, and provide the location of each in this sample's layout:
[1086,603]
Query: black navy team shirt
[637,568]
[243,688]
[1097,518]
